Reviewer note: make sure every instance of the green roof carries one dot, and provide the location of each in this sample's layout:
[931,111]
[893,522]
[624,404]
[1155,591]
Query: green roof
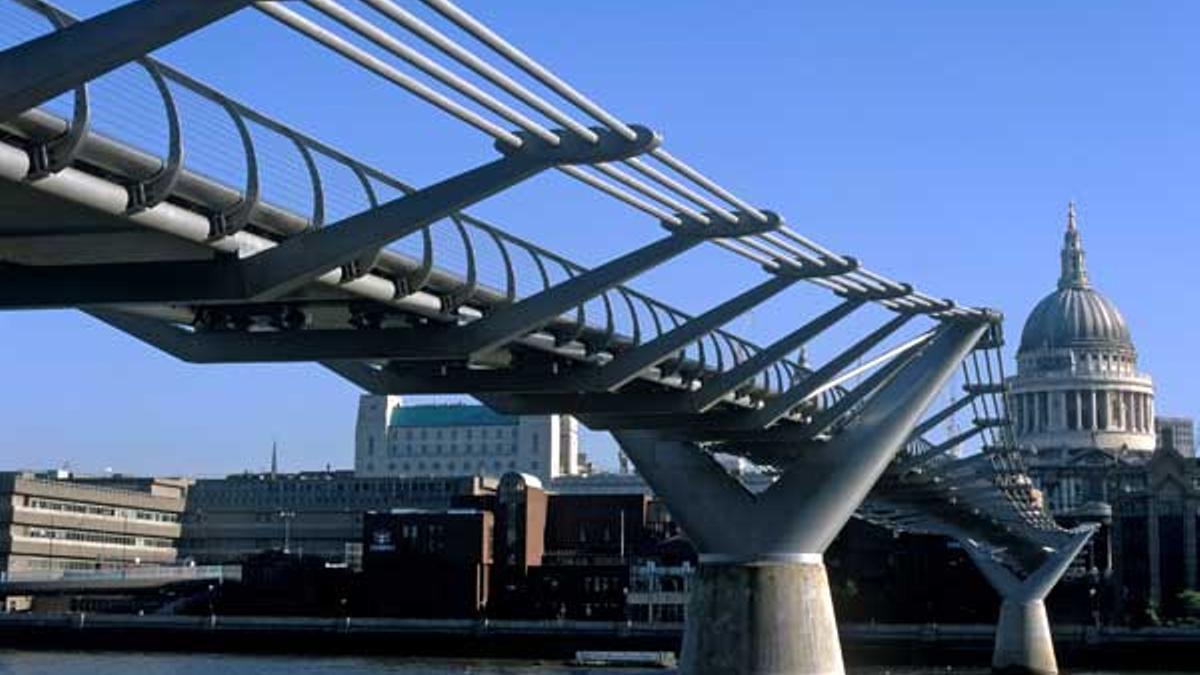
[449,416]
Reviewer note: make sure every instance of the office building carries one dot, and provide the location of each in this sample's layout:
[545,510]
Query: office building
[55,521]
[1177,433]
[394,439]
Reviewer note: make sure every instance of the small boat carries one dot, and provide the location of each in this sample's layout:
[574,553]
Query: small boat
[625,659]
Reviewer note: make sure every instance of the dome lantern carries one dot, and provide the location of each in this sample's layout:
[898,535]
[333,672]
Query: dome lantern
[1074,271]
[1075,315]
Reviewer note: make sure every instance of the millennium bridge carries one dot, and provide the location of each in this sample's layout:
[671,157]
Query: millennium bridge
[197,224]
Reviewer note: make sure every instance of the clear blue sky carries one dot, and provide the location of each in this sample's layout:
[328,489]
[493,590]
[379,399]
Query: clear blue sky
[938,141]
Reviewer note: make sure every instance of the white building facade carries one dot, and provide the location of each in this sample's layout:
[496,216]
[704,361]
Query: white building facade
[394,439]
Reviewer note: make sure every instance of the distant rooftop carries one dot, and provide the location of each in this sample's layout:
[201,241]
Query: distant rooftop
[449,416]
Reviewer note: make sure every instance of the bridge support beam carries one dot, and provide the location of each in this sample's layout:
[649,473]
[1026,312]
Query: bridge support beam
[762,603]
[1024,643]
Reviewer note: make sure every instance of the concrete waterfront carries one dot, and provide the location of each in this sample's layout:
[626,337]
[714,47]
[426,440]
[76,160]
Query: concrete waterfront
[895,646]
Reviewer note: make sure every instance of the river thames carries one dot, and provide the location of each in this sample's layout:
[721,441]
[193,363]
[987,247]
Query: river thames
[101,663]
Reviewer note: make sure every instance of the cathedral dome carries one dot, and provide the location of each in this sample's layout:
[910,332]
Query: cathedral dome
[1075,315]
[1077,383]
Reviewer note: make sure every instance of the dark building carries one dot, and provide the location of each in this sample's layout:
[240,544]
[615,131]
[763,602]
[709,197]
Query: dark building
[586,529]
[522,553]
[314,513]
[878,576]
[579,592]
[280,584]
[1154,536]
[520,507]
[429,564]
[593,544]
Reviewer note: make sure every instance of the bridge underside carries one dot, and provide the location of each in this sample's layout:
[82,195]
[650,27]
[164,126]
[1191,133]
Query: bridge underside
[213,272]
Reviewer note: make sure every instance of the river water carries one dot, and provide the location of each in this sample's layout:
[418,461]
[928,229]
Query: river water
[103,663]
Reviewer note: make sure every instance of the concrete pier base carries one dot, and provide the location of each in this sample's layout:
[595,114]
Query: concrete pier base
[1024,645]
[762,617]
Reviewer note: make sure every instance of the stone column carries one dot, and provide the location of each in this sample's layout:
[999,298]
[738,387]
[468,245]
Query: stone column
[1116,543]
[1153,549]
[1024,643]
[1189,543]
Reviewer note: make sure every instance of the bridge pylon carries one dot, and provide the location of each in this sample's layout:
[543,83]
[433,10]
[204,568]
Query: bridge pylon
[1024,643]
[762,602]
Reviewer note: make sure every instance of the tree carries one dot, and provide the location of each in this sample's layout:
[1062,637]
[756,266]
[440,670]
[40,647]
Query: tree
[1189,603]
